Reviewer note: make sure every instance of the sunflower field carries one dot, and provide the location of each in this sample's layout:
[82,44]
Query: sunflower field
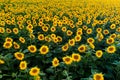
[59,39]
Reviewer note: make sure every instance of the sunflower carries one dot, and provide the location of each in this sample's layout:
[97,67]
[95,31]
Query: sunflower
[111,49]
[69,32]
[55,40]
[55,62]
[2,30]
[19,55]
[77,38]
[29,26]
[118,29]
[99,53]
[53,29]
[16,45]
[45,28]
[110,40]
[112,26]
[8,39]
[32,48]
[76,57]
[22,40]
[84,27]
[67,60]
[7,45]
[34,71]
[37,77]
[23,65]
[90,40]
[53,36]
[99,30]
[82,48]
[105,32]
[65,47]
[113,35]
[79,31]
[2,61]
[41,37]
[64,29]
[8,30]
[44,49]
[89,31]
[71,42]
[15,30]
[98,76]
[59,38]
[47,38]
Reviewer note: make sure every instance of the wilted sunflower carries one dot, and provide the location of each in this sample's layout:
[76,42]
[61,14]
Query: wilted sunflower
[92,45]
[34,71]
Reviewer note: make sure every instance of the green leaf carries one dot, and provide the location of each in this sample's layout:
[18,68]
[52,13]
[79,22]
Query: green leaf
[1,76]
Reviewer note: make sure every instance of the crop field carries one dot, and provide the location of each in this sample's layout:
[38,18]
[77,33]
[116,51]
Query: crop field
[59,39]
